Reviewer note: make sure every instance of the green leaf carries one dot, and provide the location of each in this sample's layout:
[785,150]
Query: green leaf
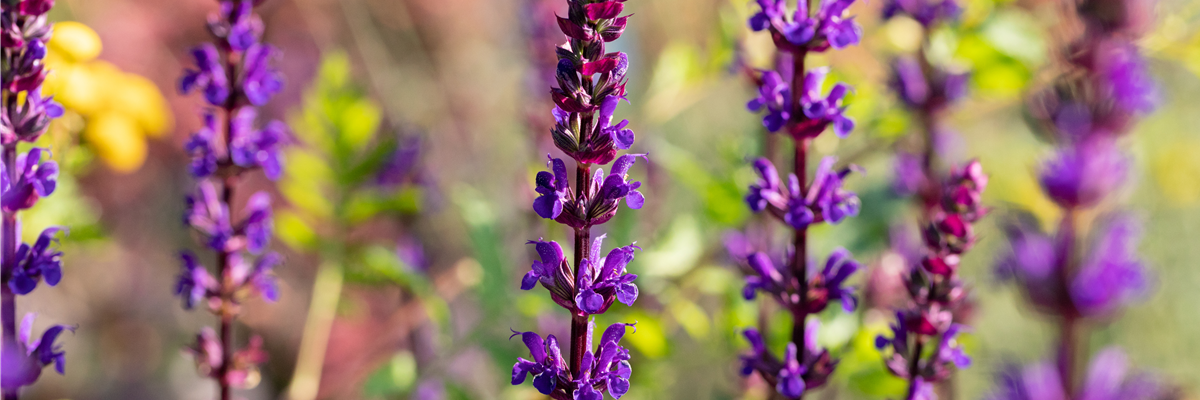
[358,124]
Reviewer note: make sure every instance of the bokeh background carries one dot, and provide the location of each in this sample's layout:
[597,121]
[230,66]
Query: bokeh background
[416,272]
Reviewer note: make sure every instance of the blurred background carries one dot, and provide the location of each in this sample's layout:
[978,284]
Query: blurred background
[405,206]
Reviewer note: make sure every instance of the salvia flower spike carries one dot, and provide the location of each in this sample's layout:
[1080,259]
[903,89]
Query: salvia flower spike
[25,178]
[793,101]
[590,85]
[1072,275]
[234,75]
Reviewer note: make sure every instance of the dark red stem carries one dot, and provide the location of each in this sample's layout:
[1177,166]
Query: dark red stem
[1070,329]
[800,243]
[8,250]
[583,239]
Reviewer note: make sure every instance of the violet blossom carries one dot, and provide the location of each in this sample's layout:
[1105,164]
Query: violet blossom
[25,178]
[235,76]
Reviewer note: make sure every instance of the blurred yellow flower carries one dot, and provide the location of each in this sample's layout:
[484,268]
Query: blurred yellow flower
[121,110]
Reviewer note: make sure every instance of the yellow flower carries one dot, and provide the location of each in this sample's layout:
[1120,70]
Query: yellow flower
[121,110]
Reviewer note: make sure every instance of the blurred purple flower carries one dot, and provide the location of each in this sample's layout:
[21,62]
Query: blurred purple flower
[799,370]
[262,148]
[27,121]
[209,76]
[1081,175]
[927,12]
[1108,378]
[34,179]
[36,263]
[260,81]
[26,356]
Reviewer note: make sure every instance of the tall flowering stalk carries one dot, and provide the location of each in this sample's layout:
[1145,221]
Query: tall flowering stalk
[25,177]
[935,291]
[235,77]
[1101,89]
[591,83]
[948,206]
[796,104]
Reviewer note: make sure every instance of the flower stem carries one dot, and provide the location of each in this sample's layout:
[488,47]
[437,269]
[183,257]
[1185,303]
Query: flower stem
[800,242]
[583,238]
[8,250]
[227,311]
[914,364]
[1069,329]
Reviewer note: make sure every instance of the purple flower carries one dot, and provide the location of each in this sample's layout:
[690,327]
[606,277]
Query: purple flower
[768,191]
[827,194]
[209,76]
[827,29]
[825,110]
[1081,175]
[262,148]
[622,138]
[926,12]
[35,179]
[24,360]
[949,351]
[547,365]
[1108,378]
[796,371]
[605,279]
[260,81]
[554,273]
[37,262]
[203,147]
[919,91]
[253,278]
[599,201]
[796,207]
[775,95]
[909,175]
[241,28]
[194,283]
[209,215]
[257,226]
[838,268]
[1112,274]
[553,190]
[607,368]
[401,164]
[27,121]
[1125,73]
[826,285]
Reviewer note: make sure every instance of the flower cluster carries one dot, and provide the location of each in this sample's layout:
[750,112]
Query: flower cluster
[1102,89]
[235,76]
[823,201]
[1108,378]
[816,112]
[605,369]
[591,84]
[795,102]
[935,290]
[26,177]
